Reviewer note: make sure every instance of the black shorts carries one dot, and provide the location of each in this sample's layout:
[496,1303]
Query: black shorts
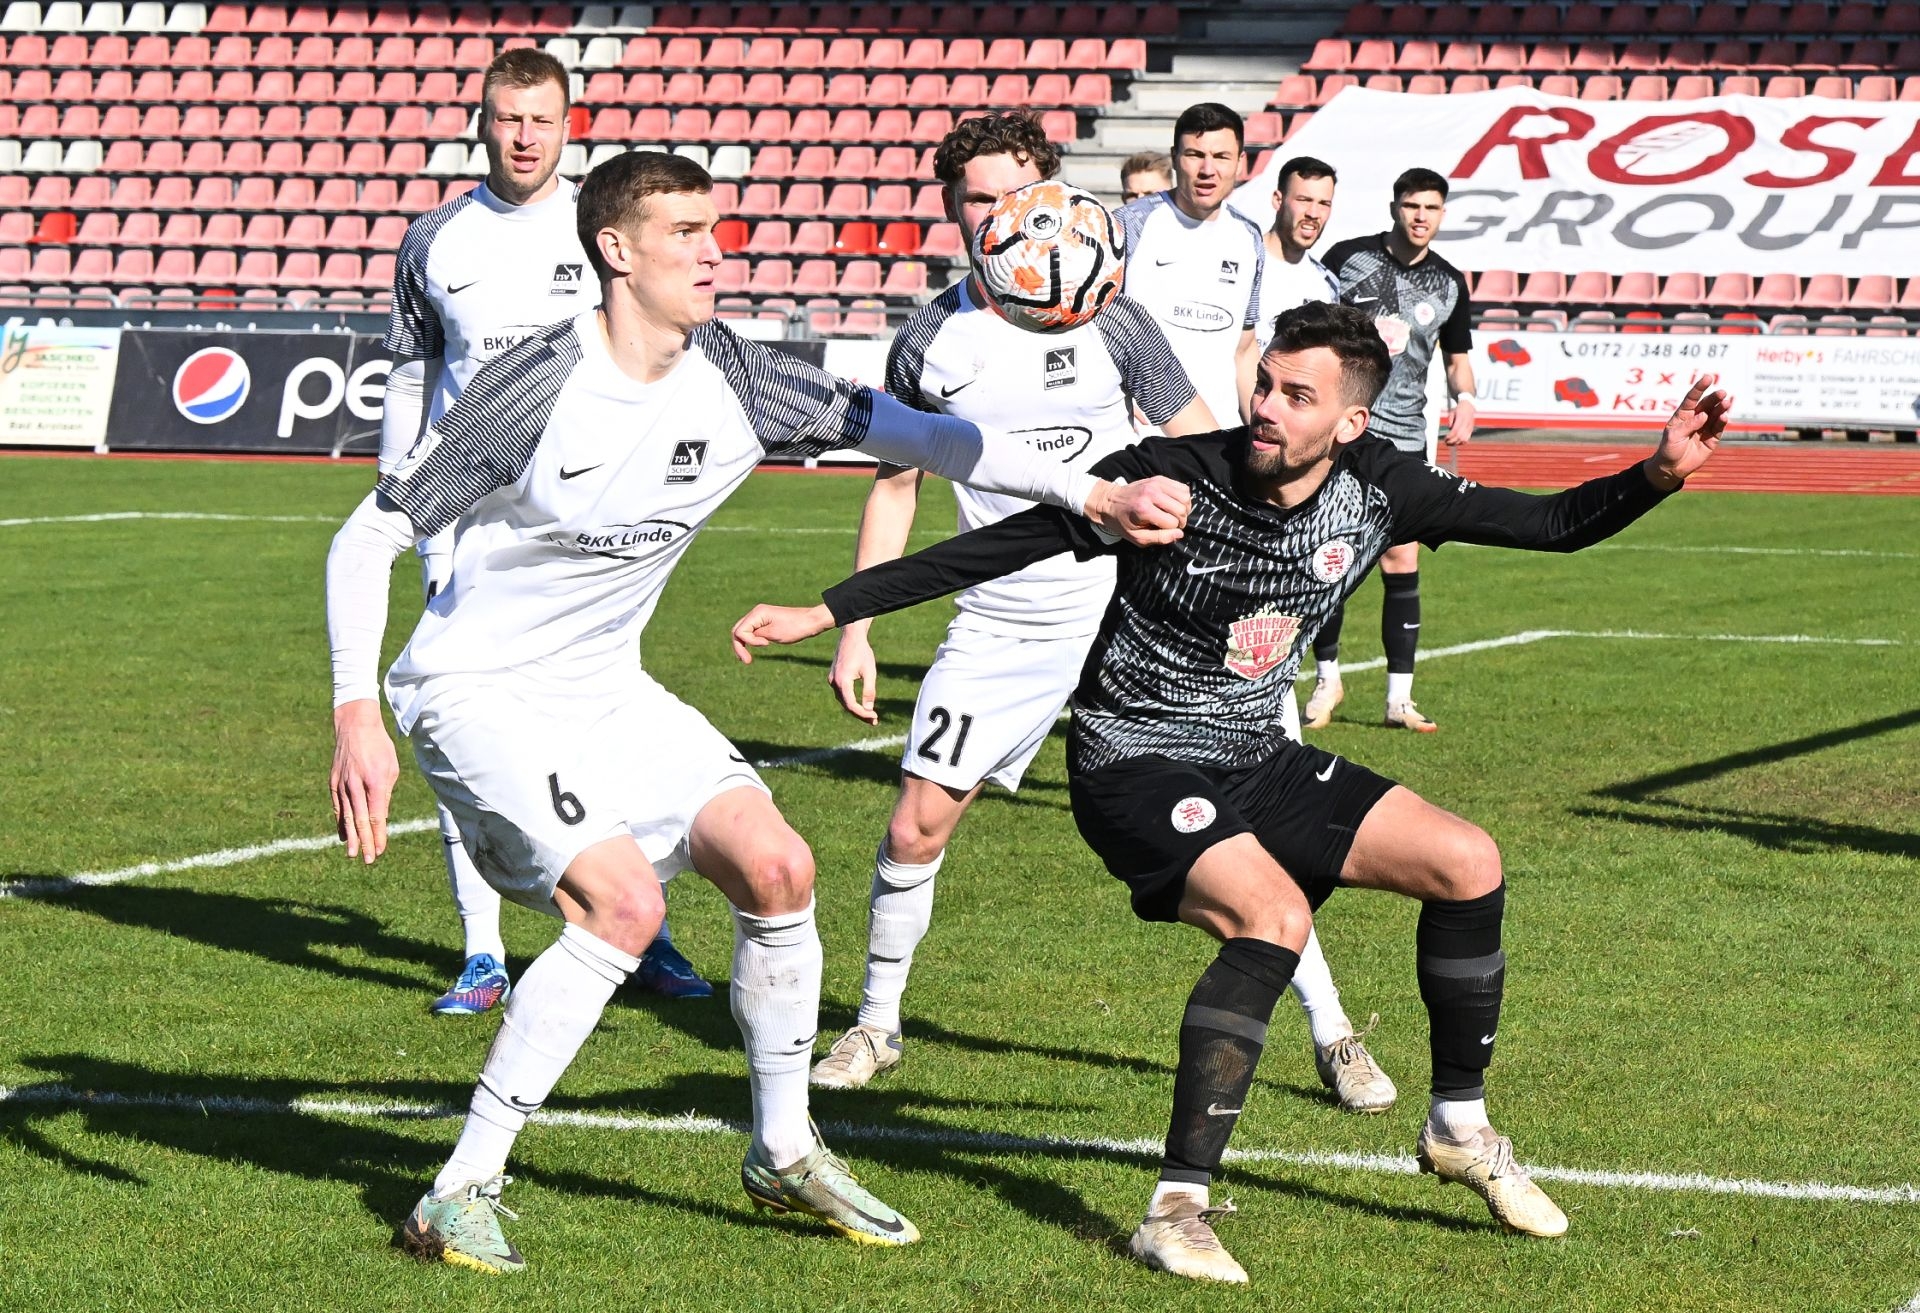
[1149,818]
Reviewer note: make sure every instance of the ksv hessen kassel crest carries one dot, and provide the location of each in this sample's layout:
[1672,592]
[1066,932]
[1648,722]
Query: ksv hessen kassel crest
[1259,642]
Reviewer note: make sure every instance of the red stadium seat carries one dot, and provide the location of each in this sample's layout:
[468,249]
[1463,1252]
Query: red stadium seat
[891,200]
[899,239]
[861,237]
[1872,292]
[1824,290]
[815,237]
[905,280]
[1777,290]
[859,278]
[1330,55]
[1691,86]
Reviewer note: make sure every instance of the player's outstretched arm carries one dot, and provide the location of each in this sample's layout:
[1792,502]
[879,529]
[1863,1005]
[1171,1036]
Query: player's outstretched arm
[1692,435]
[778,624]
[1148,513]
[359,568]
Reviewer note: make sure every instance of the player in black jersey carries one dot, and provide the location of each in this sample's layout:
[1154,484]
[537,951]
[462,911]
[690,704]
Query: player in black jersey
[1182,783]
[1419,303]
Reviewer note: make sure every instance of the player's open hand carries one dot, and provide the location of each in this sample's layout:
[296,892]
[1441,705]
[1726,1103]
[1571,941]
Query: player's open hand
[1692,435]
[364,770]
[1147,514]
[853,674]
[778,624]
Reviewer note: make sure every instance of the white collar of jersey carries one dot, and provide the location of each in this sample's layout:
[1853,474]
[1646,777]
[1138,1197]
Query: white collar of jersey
[562,198]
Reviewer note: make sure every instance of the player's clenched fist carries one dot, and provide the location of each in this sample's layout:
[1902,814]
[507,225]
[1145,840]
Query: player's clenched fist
[778,624]
[1147,514]
[364,769]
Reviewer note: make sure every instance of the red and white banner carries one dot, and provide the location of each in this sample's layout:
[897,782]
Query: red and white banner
[1732,184]
[1630,380]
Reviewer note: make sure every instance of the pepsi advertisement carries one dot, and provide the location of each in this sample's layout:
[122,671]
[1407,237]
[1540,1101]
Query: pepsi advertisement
[192,390]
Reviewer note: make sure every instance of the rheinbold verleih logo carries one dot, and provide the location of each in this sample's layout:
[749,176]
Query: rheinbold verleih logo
[210,385]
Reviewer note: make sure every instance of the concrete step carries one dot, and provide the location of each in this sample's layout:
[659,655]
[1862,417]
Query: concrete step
[1164,95]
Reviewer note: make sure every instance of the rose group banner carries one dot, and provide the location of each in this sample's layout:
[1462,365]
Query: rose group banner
[1731,184]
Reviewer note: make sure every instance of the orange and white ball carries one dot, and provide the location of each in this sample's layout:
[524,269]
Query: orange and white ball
[1050,256]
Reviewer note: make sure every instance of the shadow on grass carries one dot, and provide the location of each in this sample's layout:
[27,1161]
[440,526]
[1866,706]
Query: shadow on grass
[282,930]
[237,1120]
[1782,831]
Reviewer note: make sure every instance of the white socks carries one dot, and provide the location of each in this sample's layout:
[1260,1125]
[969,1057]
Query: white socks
[1327,670]
[1399,687]
[1313,982]
[900,910]
[477,901]
[554,1007]
[1161,1190]
[1457,1119]
[776,1000]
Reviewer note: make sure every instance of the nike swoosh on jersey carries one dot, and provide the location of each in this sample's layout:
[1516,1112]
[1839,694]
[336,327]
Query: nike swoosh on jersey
[734,756]
[585,469]
[1163,263]
[1193,568]
[455,291]
[1324,775]
[959,387]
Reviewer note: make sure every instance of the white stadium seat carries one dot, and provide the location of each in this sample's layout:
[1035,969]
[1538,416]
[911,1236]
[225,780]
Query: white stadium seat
[730,161]
[449,160]
[600,154]
[9,156]
[83,157]
[104,16]
[21,16]
[698,154]
[573,160]
[145,16]
[565,49]
[41,157]
[602,52]
[62,16]
[186,19]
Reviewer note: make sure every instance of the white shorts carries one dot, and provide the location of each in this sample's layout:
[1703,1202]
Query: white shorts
[987,704]
[533,781]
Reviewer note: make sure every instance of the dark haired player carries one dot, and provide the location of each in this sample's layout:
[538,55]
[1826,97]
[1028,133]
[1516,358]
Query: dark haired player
[1195,263]
[1418,301]
[1184,788]
[1013,652]
[579,466]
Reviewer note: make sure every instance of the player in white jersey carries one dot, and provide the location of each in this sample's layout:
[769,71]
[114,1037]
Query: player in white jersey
[578,466]
[1302,205]
[473,278]
[1195,263]
[1014,652]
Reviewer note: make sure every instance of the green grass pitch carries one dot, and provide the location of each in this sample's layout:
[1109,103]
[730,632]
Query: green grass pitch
[1710,842]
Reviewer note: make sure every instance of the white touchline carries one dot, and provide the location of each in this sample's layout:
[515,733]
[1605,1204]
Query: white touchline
[1911,1306]
[105,516]
[51,885]
[692,1123]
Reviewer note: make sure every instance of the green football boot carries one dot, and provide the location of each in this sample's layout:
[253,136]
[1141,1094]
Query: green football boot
[464,1229]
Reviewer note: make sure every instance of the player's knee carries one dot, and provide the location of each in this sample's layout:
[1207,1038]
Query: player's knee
[628,914]
[914,840]
[1469,863]
[780,877]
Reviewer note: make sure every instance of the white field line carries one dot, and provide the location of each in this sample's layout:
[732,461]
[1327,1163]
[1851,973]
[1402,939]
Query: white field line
[849,529]
[106,516]
[691,1123]
[234,856]
[1911,1306]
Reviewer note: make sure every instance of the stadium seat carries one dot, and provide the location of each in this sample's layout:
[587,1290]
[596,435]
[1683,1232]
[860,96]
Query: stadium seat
[1780,290]
[1872,292]
[1837,326]
[1635,289]
[1728,291]
[1824,290]
[1681,289]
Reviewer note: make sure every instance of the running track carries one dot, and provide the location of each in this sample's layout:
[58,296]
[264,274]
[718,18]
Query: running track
[1736,467]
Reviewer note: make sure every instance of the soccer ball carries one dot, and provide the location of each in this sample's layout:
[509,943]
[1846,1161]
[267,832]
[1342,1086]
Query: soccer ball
[1050,256]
